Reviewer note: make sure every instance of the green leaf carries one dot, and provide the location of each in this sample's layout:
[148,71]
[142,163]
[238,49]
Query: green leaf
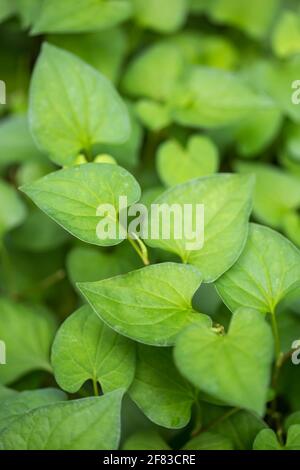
[12,209]
[17,405]
[68,119]
[209,441]
[88,264]
[166,17]
[72,196]
[268,269]
[234,367]
[150,305]
[86,424]
[7,9]
[159,390]
[212,98]
[87,15]
[239,426]
[257,132]
[17,145]
[85,349]
[146,440]
[253,18]
[176,165]
[140,79]
[128,153]
[286,34]
[50,235]
[28,11]
[267,440]
[155,116]
[104,50]
[28,333]
[270,207]
[227,206]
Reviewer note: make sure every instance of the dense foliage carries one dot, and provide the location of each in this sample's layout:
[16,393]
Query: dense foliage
[146,344]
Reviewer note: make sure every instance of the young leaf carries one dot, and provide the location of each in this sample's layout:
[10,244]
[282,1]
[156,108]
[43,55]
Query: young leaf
[159,390]
[85,349]
[175,165]
[86,424]
[87,15]
[150,305]
[72,196]
[68,118]
[267,270]
[164,16]
[28,333]
[211,98]
[234,368]
[267,440]
[17,405]
[209,441]
[12,209]
[227,206]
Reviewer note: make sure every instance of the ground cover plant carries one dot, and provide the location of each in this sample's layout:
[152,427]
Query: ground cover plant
[131,343]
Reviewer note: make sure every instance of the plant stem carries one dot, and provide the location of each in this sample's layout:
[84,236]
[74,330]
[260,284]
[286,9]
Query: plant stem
[95,387]
[139,247]
[278,352]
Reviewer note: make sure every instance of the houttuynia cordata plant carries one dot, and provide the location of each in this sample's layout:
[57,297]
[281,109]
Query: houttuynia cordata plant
[149,225]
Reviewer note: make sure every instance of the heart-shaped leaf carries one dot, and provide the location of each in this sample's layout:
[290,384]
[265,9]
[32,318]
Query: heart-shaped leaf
[86,15]
[68,118]
[234,367]
[150,305]
[267,440]
[86,349]
[72,197]
[227,206]
[267,270]
[159,390]
[86,424]
[176,165]
[27,333]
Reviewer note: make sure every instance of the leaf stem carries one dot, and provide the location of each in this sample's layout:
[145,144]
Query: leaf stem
[276,335]
[95,387]
[139,246]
